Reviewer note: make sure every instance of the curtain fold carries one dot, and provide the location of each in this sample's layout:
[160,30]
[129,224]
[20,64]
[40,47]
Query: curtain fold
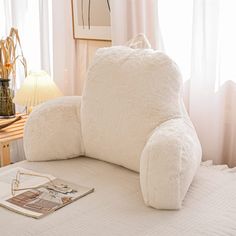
[132,17]
[64,47]
[45,27]
[212,89]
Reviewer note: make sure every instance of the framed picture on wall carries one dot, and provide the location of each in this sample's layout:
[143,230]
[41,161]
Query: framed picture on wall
[91,19]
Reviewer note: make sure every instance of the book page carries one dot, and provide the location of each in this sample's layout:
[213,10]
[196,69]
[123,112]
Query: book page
[46,196]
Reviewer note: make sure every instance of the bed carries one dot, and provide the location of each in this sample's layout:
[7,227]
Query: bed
[131,113]
[116,207]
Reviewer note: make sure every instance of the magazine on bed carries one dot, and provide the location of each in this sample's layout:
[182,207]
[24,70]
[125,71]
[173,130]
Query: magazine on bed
[35,194]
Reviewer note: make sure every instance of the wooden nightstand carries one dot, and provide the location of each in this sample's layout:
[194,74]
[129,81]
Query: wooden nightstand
[9,134]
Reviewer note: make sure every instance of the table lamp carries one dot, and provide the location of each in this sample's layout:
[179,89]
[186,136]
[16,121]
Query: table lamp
[38,87]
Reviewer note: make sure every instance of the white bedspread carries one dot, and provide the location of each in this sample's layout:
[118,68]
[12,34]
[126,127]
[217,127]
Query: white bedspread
[116,207]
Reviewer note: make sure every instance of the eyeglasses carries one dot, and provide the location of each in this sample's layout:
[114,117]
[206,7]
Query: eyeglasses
[15,185]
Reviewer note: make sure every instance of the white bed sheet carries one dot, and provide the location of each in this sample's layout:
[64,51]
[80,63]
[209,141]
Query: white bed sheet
[116,207]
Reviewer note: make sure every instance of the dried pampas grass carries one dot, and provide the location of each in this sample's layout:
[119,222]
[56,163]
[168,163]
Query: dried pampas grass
[9,55]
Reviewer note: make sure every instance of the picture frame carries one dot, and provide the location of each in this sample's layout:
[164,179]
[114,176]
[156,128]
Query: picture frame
[91,19]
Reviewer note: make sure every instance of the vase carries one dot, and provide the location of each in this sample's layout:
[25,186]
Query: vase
[7,107]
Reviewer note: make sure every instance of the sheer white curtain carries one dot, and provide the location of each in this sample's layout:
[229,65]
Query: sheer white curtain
[32,18]
[64,47]
[200,37]
[131,17]
[212,94]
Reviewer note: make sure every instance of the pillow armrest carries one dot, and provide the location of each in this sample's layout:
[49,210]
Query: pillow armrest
[168,164]
[53,130]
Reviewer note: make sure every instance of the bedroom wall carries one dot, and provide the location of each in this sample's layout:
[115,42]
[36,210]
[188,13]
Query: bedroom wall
[71,58]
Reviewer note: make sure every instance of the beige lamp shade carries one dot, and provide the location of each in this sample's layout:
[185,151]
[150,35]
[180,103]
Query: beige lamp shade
[38,87]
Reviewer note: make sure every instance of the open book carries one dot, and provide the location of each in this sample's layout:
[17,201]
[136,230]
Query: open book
[41,195]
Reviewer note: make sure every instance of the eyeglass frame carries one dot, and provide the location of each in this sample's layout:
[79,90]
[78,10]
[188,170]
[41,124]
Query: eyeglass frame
[16,182]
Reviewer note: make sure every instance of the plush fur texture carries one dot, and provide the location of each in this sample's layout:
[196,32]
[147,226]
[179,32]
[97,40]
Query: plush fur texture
[128,93]
[53,132]
[131,109]
[168,164]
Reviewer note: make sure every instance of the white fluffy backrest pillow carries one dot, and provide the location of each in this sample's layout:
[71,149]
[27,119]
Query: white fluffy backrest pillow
[128,93]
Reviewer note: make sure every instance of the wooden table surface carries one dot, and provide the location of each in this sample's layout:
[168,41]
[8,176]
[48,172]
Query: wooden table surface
[9,134]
